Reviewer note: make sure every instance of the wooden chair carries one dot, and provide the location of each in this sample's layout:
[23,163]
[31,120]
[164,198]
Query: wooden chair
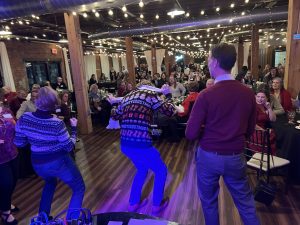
[258,151]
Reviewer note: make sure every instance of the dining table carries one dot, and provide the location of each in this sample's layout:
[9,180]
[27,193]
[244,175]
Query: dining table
[288,143]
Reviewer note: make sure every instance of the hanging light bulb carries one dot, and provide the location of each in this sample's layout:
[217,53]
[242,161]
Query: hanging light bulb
[141,4]
[125,15]
[124,9]
[142,16]
[110,12]
[97,14]
[85,15]
[157,16]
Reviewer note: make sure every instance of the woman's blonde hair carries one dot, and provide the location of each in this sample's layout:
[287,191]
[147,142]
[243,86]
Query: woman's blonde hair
[47,99]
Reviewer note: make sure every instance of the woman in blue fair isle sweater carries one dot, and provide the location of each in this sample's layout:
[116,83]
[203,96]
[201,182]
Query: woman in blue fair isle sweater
[50,145]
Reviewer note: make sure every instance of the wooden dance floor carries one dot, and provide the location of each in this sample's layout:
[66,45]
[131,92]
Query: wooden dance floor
[108,176]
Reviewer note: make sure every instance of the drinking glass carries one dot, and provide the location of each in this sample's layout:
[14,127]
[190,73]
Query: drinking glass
[291,116]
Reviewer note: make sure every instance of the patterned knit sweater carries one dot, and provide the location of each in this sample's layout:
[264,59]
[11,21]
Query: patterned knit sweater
[136,114]
[47,136]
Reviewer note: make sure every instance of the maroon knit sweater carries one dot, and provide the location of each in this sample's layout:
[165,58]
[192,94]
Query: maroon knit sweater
[222,117]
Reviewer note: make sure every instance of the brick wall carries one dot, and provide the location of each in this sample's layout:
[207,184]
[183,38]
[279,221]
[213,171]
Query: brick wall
[19,52]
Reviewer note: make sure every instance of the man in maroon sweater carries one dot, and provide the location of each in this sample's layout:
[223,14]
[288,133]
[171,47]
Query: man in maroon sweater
[222,117]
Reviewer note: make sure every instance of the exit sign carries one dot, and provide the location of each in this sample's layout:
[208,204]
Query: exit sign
[296,36]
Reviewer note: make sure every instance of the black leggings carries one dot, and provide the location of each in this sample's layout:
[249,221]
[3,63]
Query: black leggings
[8,180]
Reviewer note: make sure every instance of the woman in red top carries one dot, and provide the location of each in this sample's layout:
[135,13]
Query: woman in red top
[8,163]
[264,115]
[283,96]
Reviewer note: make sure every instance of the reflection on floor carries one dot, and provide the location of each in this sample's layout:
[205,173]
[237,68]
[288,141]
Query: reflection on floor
[108,176]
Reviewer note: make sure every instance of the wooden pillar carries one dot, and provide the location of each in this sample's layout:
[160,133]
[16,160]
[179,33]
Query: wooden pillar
[254,51]
[130,60]
[98,67]
[167,62]
[292,65]
[240,54]
[153,59]
[78,72]
[120,63]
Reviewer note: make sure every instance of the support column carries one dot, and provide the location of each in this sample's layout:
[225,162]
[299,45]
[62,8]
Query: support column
[254,52]
[167,62]
[240,54]
[153,58]
[78,72]
[130,60]
[292,65]
[98,67]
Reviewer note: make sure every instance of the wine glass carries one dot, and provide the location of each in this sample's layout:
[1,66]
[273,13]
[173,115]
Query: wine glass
[291,116]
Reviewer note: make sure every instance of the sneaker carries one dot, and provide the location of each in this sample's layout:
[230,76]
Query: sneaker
[135,207]
[158,209]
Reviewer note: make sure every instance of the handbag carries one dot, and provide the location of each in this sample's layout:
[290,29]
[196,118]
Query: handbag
[264,192]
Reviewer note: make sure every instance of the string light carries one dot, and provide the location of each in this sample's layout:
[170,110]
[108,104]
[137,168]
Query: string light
[85,15]
[243,13]
[124,9]
[187,14]
[246,1]
[202,12]
[141,4]
[110,12]
[157,16]
[142,16]
[232,5]
[125,15]
[97,14]
[218,9]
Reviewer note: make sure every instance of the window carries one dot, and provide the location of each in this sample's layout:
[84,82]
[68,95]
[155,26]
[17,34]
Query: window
[40,72]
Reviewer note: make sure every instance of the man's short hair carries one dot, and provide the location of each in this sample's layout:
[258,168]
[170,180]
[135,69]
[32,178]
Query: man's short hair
[225,54]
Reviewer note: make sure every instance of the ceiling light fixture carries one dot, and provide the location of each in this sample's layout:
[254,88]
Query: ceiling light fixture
[124,9]
[5,32]
[63,40]
[176,11]
[141,4]
[110,12]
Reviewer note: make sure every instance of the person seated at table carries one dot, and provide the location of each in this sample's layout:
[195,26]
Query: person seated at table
[264,115]
[16,102]
[282,95]
[241,75]
[129,88]
[59,84]
[268,78]
[9,95]
[188,102]
[177,89]
[95,98]
[92,80]
[28,106]
[210,82]
[122,89]
[155,79]
[99,106]
[163,80]
[64,111]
